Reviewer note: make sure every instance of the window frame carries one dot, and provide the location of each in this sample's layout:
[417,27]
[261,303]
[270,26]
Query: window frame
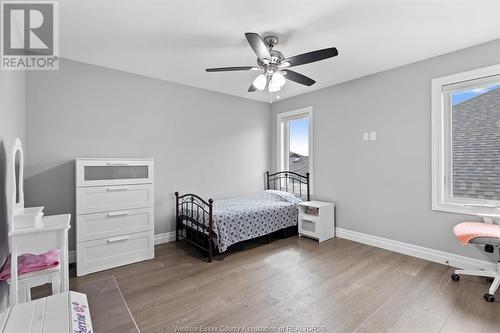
[289,115]
[442,146]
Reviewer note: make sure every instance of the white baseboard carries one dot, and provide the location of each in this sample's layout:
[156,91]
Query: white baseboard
[159,239]
[166,237]
[441,257]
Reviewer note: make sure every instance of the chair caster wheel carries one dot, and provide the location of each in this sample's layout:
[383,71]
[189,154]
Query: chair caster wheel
[455,277]
[489,298]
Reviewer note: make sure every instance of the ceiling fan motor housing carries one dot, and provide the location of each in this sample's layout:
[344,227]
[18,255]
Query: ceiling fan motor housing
[271,65]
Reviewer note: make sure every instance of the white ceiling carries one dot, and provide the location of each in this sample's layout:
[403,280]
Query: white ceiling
[177,40]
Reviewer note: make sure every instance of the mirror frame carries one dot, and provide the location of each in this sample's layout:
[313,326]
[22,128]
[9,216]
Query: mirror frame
[18,147]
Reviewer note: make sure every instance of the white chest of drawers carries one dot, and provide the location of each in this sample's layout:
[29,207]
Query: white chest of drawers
[114,213]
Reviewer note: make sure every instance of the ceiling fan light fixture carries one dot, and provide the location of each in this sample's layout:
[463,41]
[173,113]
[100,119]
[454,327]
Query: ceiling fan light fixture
[273,87]
[278,79]
[260,82]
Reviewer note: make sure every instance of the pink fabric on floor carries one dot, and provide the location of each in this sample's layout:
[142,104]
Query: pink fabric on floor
[32,263]
[467,231]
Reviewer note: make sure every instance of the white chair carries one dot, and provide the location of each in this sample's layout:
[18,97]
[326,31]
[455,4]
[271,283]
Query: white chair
[51,234]
[35,279]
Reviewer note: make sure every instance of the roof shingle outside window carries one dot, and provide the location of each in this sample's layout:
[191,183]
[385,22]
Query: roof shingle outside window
[476,147]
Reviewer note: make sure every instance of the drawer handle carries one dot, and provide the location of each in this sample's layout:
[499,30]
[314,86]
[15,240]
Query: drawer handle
[122,213]
[117,163]
[118,239]
[117,188]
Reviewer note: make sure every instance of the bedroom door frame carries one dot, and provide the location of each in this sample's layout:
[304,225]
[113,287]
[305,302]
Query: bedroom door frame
[290,115]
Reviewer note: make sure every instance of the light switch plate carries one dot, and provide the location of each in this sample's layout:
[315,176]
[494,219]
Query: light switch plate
[373,136]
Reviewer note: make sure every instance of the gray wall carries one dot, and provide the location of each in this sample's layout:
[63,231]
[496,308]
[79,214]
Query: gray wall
[383,188]
[205,142]
[12,116]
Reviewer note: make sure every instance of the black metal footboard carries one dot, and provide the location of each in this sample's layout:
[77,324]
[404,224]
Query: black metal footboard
[193,221]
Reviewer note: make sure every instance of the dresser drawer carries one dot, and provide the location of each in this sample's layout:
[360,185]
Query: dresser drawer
[111,198]
[109,224]
[98,172]
[100,254]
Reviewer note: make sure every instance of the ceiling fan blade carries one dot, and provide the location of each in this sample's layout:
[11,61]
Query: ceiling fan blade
[306,58]
[258,45]
[229,69]
[252,88]
[299,78]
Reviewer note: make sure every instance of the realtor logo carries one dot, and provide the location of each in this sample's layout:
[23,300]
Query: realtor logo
[30,35]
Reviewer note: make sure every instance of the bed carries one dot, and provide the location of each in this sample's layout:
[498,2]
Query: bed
[214,226]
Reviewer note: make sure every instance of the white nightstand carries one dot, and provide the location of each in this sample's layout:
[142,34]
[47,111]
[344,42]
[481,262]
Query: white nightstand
[319,225]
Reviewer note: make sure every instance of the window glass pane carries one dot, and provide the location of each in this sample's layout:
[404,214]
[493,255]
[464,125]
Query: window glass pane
[299,145]
[476,143]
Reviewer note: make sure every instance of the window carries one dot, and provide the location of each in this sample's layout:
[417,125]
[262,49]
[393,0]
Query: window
[295,141]
[466,142]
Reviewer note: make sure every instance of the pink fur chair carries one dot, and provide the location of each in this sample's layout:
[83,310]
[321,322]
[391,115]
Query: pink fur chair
[487,234]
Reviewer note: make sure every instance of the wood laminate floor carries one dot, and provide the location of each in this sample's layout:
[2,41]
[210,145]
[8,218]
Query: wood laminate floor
[289,285]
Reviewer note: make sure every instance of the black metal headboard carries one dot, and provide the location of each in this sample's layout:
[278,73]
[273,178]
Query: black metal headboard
[288,181]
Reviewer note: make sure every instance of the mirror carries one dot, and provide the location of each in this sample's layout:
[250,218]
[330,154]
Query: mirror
[19,216]
[17,162]
[18,166]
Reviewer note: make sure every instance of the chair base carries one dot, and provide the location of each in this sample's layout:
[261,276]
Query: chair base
[494,275]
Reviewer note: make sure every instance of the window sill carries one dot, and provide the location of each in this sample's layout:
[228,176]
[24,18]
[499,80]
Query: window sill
[465,210]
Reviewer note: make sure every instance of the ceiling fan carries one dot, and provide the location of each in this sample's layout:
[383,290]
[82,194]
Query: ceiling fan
[275,65]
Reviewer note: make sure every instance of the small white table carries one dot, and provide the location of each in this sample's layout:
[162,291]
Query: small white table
[320,226]
[66,312]
[51,234]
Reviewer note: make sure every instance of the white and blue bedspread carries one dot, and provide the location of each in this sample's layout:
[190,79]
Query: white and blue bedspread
[243,218]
